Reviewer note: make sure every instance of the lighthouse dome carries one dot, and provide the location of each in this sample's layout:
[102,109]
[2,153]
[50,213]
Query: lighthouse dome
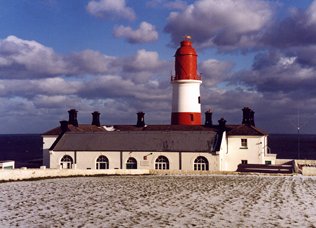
[186,48]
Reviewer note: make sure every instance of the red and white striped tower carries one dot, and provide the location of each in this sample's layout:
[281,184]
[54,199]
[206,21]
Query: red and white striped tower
[186,105]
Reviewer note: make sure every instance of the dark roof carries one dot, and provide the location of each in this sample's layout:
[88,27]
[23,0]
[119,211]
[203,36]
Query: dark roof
[243,129]
[93,128]
[240,129]
[193,141]
[80,128]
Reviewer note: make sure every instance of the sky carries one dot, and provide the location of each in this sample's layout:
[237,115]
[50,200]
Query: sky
[117,56]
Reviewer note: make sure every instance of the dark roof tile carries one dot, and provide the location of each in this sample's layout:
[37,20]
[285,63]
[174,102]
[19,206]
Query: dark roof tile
[244,129]
[199,141]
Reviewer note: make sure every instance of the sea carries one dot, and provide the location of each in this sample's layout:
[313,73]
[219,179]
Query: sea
[26,149]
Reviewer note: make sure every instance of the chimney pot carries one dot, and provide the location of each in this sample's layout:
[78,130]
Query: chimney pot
[96,119]
[208,118]
[252,118]
[73,117]
[140,119]
[222,123]
[64,126]
[248,116]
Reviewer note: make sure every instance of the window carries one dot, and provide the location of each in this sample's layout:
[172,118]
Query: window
[162,163]
[200,163]
[199,100]
[66,162]
[244,162]
[131,163]
[192,117]
[268,162]
[244,143]
[102,162]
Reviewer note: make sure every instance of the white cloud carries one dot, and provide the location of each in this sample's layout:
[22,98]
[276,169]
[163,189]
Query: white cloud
[143,61]
[145,33]
[19,57]
[311,13]
[286,61]
[214,71]
[48,86]
[110,8]
[90,62]
[25,59]
[226,23]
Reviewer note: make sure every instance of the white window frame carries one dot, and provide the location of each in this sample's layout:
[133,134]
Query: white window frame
[100,163]
[162,162]
[66,162]
[201,163]
[244,143]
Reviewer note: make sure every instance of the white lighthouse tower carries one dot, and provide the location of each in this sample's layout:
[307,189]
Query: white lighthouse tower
[186,102]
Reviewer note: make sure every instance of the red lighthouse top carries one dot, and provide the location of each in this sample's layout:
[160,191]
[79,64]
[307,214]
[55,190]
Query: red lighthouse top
[186,61]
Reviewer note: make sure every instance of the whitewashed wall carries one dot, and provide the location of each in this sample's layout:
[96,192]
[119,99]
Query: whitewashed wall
[47,143]
[87,160]
[254,153]
[188,160]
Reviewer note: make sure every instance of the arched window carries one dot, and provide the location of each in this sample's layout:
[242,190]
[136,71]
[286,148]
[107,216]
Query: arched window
[131,163]
[200,163]
[162,163]
[66,162]
[102,162]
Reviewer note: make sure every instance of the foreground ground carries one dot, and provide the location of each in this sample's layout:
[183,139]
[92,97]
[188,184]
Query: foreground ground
[159,201]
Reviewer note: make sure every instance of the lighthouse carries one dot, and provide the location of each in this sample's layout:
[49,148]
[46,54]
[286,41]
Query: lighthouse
[186,101]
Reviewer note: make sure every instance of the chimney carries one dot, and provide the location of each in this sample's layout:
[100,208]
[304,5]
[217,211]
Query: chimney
[252,118]
[222,124]
[73,117]
[140,119]
[208,118]
[248,117]
[64,126]
[96,119]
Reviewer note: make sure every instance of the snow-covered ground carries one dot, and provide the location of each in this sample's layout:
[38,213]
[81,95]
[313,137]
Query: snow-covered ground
[160,201]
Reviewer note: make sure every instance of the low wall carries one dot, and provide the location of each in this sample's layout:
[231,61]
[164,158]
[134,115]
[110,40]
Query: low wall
[24,174]
[282,161]
[309,171]
[306,162]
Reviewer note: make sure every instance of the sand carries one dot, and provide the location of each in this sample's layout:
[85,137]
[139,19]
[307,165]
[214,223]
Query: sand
[160,201]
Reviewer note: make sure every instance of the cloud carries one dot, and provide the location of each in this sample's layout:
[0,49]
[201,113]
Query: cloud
[90,62]
[111,9]
[215,71]
[283,85]
[23,58]
[226,24]
[275,72]
[87,80]
[296,29]
[48,86]
[145,33]
[143,61]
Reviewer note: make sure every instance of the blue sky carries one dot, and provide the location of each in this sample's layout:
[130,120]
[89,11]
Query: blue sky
[116,57]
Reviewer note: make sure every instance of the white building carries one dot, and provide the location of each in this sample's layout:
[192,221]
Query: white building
[7,164]
[186,144]
[177,147]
